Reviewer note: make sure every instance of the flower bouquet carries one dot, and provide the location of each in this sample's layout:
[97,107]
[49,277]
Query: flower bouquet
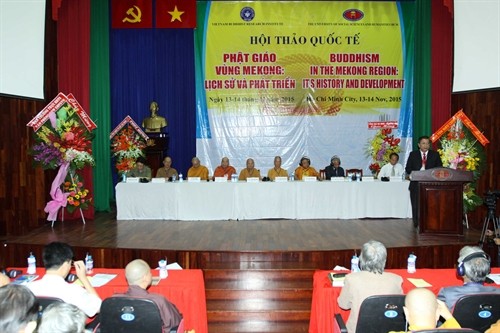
[128,142]
[459,150]
[63,139]
[78,196]
[380,148]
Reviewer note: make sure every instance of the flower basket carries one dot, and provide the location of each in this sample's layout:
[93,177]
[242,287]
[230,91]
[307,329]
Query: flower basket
[128,142]
[380,148]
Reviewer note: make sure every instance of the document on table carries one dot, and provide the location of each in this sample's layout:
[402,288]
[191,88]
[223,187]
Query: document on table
[495,278]
[419,283]
[98,280]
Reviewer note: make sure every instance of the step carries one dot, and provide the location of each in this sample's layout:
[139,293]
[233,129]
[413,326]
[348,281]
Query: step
[247,265]
[237,274]
[259,327]
[261,316]
[230,294]
[259,304]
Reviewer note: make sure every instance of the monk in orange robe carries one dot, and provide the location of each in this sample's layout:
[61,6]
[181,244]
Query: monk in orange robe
[277,171]
[249,171]
[197,170]
[305,169]
[224,169]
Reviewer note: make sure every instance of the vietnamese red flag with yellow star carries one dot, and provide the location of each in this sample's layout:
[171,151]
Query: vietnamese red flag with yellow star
[131,14]
[176,13]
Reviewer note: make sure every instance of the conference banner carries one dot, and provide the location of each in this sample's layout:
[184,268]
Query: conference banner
[313,78]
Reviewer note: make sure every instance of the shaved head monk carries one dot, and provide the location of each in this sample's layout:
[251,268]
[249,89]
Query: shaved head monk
[224,169]
[198,170]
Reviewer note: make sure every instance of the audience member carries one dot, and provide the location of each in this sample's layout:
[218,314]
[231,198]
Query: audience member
[18,309]
[393,168]
[57,259]
[140,170]
[197,170]
[166,171]
[4,279]
[420,159]
[495,328]
[249,171]
[139,278]
[334,169]
[224,169]
[305,169]
[423,310]
[277,171]
[371,280]
[60,317]
[473,266]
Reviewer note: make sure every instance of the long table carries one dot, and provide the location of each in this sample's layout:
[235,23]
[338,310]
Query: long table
[324,301]
[263,200]
[184,288]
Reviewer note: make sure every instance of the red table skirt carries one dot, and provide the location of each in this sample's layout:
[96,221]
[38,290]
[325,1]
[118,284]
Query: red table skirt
[184,288]
[324,301]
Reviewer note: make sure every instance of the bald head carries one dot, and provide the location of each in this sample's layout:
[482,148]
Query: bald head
[136,270]
[421,308]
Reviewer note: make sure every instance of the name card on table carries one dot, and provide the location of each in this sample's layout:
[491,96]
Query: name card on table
[220,179]
[132,179]
[309,179]
[194,179]
[338,179]
[158,180]
[368,178]
[396,179]
[252,179]
[281,179]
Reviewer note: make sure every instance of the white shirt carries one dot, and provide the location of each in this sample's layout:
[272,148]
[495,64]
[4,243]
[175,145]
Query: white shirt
[386,170]
[52,285]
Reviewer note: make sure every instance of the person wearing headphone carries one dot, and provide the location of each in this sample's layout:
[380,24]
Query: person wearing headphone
[334,169]
[305,169]
[473,266]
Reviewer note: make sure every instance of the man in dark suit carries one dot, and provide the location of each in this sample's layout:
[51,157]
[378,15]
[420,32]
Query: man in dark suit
[421,159]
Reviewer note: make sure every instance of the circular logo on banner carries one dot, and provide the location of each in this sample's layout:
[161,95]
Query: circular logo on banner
[353,14]
[247,14]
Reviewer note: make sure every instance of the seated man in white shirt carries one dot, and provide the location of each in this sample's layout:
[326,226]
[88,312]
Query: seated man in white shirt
[393,168]
[57,259]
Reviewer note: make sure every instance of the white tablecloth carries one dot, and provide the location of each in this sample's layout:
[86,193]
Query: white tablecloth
[264,200]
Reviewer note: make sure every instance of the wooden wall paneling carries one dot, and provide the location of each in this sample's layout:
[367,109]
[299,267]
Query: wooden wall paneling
[483,109]
[23,189]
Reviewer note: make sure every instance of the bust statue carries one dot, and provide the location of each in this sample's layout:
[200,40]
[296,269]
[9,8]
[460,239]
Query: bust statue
[154,123]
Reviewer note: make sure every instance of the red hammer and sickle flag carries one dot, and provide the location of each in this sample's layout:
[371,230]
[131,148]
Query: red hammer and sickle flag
[131,14]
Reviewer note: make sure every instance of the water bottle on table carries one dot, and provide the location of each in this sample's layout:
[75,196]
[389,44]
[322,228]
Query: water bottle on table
[89,264]
[181,178]
[162,264]
[412,263]
[31,264]
[355,263]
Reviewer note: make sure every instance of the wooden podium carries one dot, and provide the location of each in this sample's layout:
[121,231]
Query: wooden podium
[440,197]
[156,150]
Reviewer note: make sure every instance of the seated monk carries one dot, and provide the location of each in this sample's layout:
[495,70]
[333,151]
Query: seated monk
[249,171]
[166,171]
[197,170]
[224,169]
[305,169]
[277,171]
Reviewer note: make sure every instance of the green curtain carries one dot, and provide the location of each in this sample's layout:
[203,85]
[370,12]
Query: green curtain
[422,108]
[100,103]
